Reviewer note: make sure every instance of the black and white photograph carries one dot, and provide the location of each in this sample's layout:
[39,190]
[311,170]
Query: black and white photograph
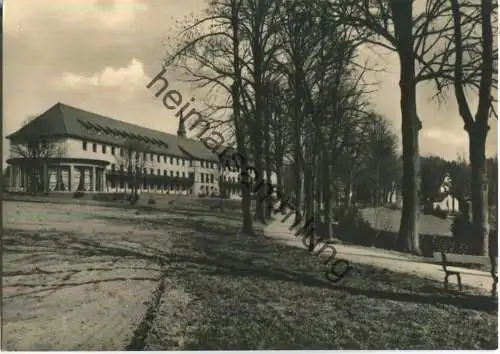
[249,175]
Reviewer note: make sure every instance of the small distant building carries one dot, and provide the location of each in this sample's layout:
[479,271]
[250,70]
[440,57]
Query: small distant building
[445,201]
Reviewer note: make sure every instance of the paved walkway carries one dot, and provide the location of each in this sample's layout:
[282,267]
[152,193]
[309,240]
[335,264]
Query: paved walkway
[394,261]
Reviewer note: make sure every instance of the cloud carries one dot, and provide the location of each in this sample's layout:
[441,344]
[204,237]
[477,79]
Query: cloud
[442,135]
[101,14]
[129,78]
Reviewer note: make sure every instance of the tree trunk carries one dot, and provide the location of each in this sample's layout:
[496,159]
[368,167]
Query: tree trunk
[268,202]
[246,203]
[297,164]
[408,238]
[309,200]
[259,195]
[347,190]
[479,188]
[279,177]
[377,186]
[478,128]
[327,197]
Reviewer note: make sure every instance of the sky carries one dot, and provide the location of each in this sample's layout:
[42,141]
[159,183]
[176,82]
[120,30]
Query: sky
[99,55]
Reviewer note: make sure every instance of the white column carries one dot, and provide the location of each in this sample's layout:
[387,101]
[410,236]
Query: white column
[10,180]
[103,179]
[45,178]
[70,176]
[92,179]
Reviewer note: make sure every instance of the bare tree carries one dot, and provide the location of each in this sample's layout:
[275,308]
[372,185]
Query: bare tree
[476,127]
[36,153]
[132,162]
[466,63]
[212,52]
[413,35]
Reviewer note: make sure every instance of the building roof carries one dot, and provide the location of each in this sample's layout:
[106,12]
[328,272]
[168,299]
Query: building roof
[67,121]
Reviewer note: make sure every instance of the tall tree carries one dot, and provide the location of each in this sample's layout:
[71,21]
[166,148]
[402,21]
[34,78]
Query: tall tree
[476,127]
[469,67]
[212,52]
[396,26]
[434,170]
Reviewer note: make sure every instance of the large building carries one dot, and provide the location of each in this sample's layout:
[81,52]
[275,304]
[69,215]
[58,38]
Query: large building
[70,149]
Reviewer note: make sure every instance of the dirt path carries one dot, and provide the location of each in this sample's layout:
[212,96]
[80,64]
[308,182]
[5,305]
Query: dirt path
[75,278]
[394,261]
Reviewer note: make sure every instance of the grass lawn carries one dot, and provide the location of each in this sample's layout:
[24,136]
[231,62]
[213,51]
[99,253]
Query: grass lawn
[389,220]
[187,281]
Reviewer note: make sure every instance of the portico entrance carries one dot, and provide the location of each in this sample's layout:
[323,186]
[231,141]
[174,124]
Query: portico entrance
[57,175]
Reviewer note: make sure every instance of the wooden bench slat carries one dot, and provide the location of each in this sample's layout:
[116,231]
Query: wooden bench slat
[462,258]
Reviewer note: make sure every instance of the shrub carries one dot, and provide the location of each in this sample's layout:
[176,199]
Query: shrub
[393,206]
[151,200]
[78,194]
[462,232]
[353,227]
[439,213]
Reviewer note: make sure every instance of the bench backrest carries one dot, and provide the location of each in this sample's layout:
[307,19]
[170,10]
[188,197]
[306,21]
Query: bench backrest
[462,258]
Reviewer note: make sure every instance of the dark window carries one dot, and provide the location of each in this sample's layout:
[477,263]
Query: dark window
[144,156]
[177,162]
[202,164]
[183,162]
[183,174]
[159,172]
[164,172]
[121,167]
[94,147]
[171,160]
[145,171]
[112,150]
[202,177]
[152,157]
[171,173]
[177,174]
[113,167]
[165,158]
[211,178]
[121,152]
[157,158]
[84,145]
[152,171]
[104,149]
[191,163]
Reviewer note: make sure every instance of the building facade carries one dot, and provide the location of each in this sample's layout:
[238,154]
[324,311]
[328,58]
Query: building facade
[67,149]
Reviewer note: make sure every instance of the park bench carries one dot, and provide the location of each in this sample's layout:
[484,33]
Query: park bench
[446,258]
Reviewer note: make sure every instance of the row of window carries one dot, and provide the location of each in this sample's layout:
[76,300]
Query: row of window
[205,177]
[230,179]
[166,187]
[152,171]
[145,156]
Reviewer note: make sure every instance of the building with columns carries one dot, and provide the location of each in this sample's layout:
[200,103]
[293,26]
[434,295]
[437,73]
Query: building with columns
[70,149]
